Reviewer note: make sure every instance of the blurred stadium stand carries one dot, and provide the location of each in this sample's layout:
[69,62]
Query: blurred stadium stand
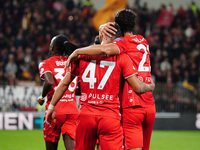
[27,26]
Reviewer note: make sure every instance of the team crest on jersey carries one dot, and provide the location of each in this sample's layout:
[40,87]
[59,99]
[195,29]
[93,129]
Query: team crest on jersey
[83,97]
[140,78]
[117,40]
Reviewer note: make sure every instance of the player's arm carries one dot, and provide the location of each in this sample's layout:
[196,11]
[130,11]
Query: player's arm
[93,50]
[97,50]
[138,86]
[59,92]
[62,87]
[48,83]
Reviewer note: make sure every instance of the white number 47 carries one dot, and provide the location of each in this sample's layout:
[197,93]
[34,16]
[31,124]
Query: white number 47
[91,69]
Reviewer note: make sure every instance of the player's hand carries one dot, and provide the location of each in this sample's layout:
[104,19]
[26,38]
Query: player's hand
[106,29]
[51,114]
[40,101]
[71,59]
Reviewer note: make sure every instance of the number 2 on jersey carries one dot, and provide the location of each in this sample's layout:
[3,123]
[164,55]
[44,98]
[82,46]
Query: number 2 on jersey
[91,69]
[141,67]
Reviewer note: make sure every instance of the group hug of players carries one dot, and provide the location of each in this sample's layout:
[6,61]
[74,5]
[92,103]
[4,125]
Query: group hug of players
[117,108]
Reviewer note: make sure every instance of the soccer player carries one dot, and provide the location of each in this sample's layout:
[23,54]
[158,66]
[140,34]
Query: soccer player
[137,127]
[52,72]
[99,113]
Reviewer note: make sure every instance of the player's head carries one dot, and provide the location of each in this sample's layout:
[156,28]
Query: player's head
[126,20]
[60,45]
[108,39]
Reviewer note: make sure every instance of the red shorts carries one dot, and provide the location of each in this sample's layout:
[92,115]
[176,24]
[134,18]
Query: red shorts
[90,128]
[138,125]
[65,124]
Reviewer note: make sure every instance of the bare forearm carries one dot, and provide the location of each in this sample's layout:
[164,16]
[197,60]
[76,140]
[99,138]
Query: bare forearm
[59,92]
[145,87]
[48,83]
[97,50]
[138,86]
[94,50]
[46,88]
[62,87]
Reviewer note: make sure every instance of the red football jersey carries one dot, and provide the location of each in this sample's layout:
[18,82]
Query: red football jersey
[55,65]
[137,48]
[100,82]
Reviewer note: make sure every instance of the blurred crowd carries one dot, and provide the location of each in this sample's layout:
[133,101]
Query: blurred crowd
[27,26]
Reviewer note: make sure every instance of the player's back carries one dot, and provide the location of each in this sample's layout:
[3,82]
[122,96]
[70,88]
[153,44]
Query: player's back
[56,65]
[137,48]
[100,82]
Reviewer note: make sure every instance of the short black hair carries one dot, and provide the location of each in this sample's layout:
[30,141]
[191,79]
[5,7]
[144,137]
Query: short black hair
[63,45]
[126,20]
[118,33]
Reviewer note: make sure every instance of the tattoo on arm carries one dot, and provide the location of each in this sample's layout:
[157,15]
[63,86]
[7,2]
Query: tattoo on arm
[144,87]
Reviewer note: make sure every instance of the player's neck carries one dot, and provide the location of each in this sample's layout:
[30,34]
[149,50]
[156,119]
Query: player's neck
[128,33]
[57,55]
[105,42]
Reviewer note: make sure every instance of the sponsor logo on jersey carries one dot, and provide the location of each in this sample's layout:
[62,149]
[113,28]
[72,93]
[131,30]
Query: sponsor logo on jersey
[140,78]
[85,96]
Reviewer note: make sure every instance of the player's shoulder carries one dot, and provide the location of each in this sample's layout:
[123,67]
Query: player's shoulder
[122,57]
[119,39]
[53,58]
[47,61]
[42,63]
[136,39]
[85,57]
[89,58]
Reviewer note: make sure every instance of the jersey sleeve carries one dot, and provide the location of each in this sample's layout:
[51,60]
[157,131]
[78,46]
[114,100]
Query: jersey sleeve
[128,68]
[43,68]
[120,44]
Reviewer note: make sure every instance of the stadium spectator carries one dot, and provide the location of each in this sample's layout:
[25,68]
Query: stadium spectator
[15,106]
[52,72]
[11,69]
[198,107]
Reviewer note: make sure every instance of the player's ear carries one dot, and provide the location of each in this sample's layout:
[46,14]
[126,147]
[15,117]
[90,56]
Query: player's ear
[101,37]
[50,47]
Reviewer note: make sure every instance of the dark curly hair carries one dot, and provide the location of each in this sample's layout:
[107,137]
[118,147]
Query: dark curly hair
[63,45]
[126,20]
[118,33]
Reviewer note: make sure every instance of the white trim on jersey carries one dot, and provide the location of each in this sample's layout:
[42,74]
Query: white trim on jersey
[44,73]
[130,75]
